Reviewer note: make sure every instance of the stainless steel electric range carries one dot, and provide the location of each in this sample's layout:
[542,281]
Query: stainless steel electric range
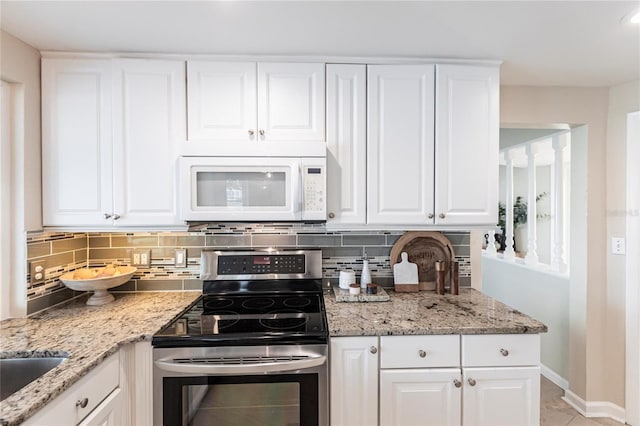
[252,350]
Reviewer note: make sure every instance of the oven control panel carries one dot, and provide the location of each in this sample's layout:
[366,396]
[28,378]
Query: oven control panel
[261,264]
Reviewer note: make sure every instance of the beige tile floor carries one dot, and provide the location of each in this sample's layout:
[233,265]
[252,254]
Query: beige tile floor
[555,412]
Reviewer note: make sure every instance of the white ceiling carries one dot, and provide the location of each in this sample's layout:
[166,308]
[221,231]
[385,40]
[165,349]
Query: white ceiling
[567,43]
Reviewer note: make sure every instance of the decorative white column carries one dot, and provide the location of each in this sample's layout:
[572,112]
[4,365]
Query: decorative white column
[491,243]
[532,257]
[558,262]
[509,252]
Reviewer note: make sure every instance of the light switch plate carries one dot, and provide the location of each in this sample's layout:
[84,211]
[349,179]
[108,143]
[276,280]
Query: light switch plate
[618,245]
[180,258]
[141,257]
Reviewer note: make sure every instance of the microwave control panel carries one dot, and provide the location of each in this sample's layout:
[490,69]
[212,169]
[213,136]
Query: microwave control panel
[313,181]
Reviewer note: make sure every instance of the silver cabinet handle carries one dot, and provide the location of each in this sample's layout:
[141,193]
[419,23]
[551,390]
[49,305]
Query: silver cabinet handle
[373,349]
[430,215]
[504,352]
[116,216]
[441,215]
[471,382]
[251,132]
[422,353]
[82,403]
[331,215]
[457,383]
[261,132]
[107,216]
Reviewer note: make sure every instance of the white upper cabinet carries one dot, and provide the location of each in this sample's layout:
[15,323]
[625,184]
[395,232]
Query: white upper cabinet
[76,141]
[222,100]
[467,126]
[110,136]
[257,109]
[346,144]
[148,121]
[400,156]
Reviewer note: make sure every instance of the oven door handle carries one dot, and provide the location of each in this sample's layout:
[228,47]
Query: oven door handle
[256,368]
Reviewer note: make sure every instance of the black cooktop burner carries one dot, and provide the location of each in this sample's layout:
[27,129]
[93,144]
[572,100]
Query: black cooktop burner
[243,319]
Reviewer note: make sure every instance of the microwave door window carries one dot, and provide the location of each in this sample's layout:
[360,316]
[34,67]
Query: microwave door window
[239,190]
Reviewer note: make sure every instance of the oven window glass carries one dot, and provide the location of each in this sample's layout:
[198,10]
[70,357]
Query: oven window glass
[241,189]
[280,399]
[242,404]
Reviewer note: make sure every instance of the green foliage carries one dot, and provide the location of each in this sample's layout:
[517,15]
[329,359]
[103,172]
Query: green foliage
[519,211]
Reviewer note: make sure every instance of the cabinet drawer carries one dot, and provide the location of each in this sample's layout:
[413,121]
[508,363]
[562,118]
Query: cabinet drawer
[500,350]
[95,387]
[419,351]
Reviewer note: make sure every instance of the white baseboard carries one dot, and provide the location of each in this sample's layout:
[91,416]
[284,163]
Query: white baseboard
[594,408]
[554,377]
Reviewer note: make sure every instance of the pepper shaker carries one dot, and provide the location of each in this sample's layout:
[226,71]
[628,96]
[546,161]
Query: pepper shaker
[455,278]
[441,272]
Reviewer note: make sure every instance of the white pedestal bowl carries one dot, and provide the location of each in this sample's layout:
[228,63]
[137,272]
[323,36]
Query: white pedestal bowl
[99,285]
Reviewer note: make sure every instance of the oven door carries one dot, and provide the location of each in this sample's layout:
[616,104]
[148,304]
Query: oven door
[277,385]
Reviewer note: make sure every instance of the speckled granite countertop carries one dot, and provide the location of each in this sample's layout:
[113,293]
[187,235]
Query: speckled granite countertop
[428,313]
[89,334]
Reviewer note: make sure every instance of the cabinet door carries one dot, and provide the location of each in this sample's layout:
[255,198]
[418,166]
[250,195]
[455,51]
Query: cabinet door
[291,102]
[76,142]
[467,127]
[346,144]
[107,413]
[420,397]
[354,381]
[149,123]
[400,153]
[501,396]
[222,101]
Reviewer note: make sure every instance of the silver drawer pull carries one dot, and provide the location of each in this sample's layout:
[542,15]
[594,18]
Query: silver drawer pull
[422,353]
[82,403]
[373,349]
[457,383]
[504,352]
[471,382]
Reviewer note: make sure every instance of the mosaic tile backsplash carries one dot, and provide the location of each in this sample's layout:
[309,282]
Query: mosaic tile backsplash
[341,250]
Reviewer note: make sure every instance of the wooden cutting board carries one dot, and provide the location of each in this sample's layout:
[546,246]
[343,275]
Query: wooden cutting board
[423,248]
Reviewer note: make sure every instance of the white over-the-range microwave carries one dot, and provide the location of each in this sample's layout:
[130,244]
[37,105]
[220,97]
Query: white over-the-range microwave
[253,188]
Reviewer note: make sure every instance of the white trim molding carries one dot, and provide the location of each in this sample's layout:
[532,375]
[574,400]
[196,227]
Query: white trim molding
[595,408]
[554,377]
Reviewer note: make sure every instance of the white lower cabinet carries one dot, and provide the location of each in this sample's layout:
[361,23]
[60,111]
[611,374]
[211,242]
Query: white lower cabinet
[442,380]
[501,396]
[91,401]
[354,380]
[420,397]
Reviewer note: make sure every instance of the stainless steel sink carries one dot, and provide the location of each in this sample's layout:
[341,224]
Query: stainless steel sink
[16,373]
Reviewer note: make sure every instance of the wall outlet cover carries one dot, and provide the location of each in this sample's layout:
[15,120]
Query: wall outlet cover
[36,269]
[141,257]
[618,245]
[180,258]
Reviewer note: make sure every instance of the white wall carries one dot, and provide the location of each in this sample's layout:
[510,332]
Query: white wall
[525,295]
[588,365]
[623,99]
[20,63]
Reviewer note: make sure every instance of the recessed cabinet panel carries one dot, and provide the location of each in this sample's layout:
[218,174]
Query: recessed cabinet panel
[420,397]
[467,141]
[222,100]
[76,136]
[354,381]
[291,101]
[501,396]
[346,144]
[150,100]
[400,155]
